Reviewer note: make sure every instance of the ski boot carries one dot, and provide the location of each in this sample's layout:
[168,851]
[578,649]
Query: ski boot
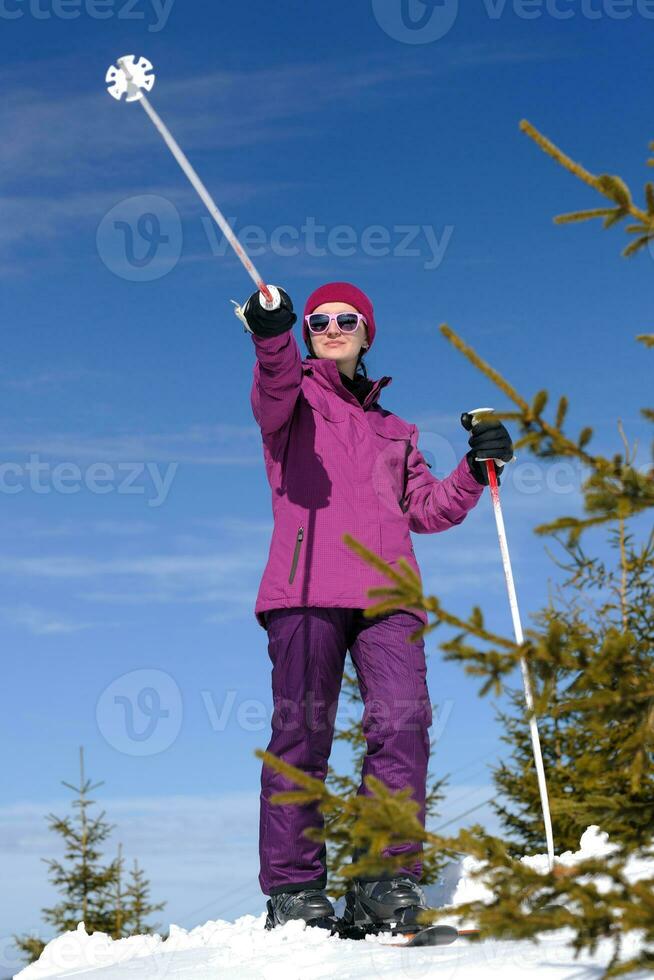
[310,904]
[387,905]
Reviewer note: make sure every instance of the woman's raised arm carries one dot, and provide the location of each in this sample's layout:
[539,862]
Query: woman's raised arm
[278,368]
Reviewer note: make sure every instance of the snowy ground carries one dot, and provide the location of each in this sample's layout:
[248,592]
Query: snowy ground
[244,950]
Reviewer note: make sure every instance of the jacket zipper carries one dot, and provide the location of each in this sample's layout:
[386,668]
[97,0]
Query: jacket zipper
[296,553]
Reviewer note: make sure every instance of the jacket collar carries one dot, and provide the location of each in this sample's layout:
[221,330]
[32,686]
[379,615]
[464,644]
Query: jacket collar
[326,374]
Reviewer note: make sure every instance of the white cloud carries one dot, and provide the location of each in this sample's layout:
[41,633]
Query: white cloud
[191,823]
[43,623]
[200,445]
[81,137]
[236,601]
[37,218]
[480,53]
[53,378]
[252,106]
[168,568]
[237,525]
[225,580]
[219,570]
[28,527]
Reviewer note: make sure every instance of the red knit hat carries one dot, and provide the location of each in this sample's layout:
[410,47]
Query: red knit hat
[340,292]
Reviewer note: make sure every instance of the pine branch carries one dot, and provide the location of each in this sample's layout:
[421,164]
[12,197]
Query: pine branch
[530,414]
[609,186]
[615,488]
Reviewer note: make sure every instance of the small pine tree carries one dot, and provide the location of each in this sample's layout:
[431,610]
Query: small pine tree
[31,946]
[588,782]
[92,891]
[86,882]
[119,912]
[138,906]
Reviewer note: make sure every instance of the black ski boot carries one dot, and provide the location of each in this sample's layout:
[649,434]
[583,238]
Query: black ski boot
[310,904]
[390,904]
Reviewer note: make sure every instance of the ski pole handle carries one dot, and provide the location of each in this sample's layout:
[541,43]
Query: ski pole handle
[269,300]
[269,297]
[468,420]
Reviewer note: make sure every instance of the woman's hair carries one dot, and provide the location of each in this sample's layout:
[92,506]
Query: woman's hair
[361,364]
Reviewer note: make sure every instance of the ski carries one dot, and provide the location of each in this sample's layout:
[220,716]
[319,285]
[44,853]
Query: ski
[434,935]
[429,936]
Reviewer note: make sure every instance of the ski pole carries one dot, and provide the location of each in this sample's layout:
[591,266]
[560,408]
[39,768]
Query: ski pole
[132,79]
[519,638]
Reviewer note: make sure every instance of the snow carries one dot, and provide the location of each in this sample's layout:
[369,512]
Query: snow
[593,843]
[245,950]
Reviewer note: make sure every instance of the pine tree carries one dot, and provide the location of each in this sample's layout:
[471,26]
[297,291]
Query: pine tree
[138,906]
[86,882]
[118,896]
[596,604]
[31,946]
[92,891]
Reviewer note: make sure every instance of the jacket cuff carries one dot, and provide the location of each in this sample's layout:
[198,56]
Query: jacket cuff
[466,478]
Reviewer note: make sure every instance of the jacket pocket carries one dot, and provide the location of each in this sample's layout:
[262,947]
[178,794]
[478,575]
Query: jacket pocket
[296,553]
[389,470]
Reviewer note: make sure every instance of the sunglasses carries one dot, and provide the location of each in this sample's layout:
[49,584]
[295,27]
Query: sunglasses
[347,322]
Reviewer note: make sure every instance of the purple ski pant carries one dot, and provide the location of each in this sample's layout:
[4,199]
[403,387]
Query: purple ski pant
[307,647]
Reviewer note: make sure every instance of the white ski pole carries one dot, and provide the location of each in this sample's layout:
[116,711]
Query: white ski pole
[133,79]
[519,638]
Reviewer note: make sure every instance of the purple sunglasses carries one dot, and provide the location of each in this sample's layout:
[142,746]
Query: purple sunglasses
[347,322]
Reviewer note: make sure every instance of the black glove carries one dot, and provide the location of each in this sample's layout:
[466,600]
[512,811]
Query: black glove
[489,440]
[269,323]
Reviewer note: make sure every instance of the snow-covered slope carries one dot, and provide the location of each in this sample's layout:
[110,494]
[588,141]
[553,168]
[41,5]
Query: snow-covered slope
[244,950]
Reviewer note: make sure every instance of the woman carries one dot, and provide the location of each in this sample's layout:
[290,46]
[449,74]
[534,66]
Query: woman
[337,462]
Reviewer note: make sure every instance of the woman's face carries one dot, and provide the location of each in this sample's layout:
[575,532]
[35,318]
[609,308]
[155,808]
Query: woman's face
[340,347]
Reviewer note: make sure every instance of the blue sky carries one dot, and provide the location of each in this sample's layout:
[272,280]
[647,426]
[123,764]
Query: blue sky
[140,527]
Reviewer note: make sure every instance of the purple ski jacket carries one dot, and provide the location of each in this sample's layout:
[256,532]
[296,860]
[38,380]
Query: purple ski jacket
[336,466]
